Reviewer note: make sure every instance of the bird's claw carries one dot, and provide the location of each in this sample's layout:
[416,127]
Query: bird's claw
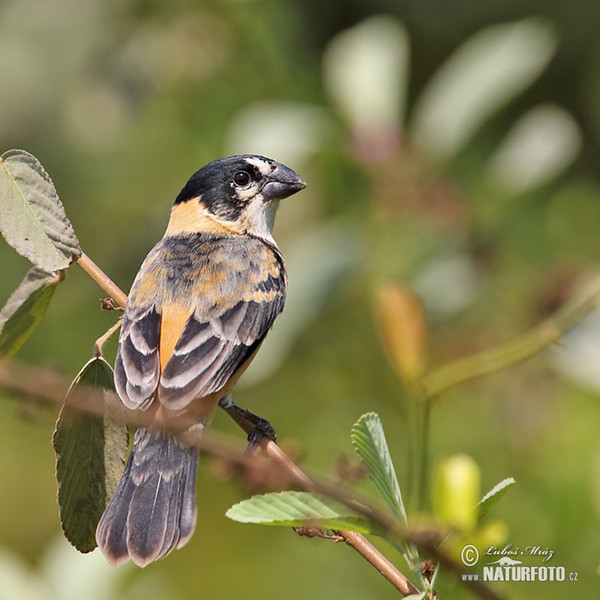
[262,428]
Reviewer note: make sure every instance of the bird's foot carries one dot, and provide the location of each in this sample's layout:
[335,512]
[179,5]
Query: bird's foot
[255,426]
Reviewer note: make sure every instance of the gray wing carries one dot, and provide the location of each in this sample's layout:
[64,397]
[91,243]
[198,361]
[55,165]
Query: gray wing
[137,367]
[209,352]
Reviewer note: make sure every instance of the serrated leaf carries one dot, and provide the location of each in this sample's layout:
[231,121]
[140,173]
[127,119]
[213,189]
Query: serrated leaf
[24,309]
[90,457]
[32,218]
[297,509]
[371,446]
[493,496]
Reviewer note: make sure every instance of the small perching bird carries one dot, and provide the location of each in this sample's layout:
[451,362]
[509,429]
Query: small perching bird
[199,308]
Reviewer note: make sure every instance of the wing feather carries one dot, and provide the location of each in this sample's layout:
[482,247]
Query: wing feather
[206,368]
[192,339]
[137,368]
[192,365]
[232,319]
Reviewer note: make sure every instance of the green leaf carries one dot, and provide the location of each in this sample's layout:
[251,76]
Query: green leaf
[493,496]
[32,218]
[298,509]
[90,456]
[24,309]
[371,446]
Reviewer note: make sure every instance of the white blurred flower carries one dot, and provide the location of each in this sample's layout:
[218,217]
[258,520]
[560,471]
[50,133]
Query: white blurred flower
[491,68]
[543,143]
[447,285]
[287,131]
[65,574]
[365,71]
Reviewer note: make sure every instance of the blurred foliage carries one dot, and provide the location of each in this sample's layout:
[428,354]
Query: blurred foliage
[493,225]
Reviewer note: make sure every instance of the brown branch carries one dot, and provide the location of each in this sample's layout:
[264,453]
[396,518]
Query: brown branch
[353,539]
[379,561]
[48,385]
[103,280]
[430,545]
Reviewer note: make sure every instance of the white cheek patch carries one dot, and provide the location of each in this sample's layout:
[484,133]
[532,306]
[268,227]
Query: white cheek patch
[259,216]
[263,167]
[246,193]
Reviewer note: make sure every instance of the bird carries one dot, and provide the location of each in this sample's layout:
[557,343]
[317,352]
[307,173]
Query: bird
[198,310]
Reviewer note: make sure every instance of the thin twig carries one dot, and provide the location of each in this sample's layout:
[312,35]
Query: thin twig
[379,561]
[103,280]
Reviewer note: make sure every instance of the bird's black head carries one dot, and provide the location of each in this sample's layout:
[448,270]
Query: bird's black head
[229,186]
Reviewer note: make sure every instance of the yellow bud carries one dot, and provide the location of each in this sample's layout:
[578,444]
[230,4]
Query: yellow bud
[492,533]
[403,330]
[456,492]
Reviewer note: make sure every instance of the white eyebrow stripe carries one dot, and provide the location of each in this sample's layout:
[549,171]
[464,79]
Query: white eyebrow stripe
[263,166]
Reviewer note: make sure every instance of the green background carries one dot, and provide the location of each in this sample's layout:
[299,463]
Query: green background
[122,101]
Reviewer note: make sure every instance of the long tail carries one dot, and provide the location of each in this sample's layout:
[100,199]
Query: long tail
[153,509]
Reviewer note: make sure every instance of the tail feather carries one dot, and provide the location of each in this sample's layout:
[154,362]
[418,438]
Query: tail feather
[187,522]
[153,509]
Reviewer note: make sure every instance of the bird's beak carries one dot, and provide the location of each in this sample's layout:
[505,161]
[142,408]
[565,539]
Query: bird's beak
[281,183]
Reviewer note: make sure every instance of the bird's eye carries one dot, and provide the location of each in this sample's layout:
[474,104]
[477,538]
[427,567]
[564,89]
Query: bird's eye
[241,178]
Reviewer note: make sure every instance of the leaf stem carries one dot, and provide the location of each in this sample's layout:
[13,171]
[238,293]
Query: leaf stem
[424,454]
[518,350]
[99,344]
